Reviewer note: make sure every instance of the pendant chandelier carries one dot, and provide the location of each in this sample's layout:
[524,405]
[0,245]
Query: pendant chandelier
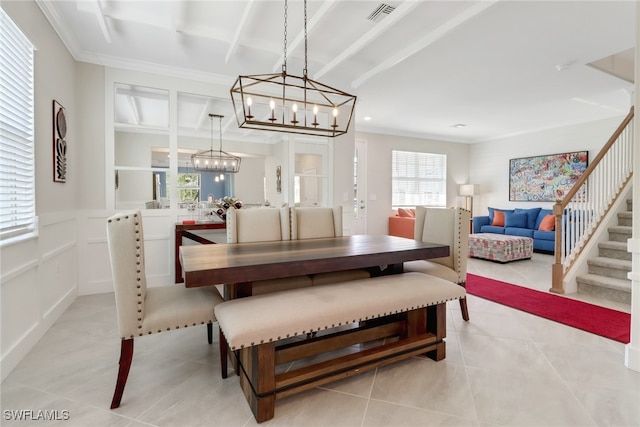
[286,103]
[216,161]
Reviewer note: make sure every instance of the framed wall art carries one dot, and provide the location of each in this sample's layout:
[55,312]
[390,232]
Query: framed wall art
[546,178]
[59,143]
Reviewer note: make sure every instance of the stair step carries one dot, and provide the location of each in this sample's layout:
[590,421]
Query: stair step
[609,267]
[616,250]
[625,218]
[605,287]
[619,233]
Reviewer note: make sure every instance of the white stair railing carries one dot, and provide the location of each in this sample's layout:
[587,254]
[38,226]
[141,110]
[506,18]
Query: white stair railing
[581,212]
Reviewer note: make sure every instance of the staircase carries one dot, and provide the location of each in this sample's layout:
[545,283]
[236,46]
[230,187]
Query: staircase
[607,276]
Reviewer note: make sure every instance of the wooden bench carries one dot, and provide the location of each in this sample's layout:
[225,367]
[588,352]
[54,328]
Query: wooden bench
[400,316]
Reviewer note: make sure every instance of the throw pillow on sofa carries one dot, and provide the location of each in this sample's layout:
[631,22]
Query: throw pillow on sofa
[532,216]
[498,219]
[492,212]
[548,223]
[516,220]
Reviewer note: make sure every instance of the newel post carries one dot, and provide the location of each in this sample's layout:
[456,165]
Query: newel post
[557,269]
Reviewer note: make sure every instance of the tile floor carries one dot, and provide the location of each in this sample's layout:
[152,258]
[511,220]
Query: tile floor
[503,368]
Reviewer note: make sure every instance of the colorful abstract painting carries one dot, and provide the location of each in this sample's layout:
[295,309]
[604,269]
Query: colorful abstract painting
[546,178]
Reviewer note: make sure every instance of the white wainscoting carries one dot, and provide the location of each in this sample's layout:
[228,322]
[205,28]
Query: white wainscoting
[38,283]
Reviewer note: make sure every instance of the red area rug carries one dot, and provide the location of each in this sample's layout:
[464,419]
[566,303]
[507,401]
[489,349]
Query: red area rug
[601,321]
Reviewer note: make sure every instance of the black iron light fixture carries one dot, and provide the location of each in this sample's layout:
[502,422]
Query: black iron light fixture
[286,103]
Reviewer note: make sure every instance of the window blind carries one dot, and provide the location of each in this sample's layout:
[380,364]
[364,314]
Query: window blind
[17,188]
[418,179]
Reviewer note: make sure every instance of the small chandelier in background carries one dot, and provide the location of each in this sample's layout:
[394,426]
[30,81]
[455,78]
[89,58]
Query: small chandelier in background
[216,161]
[285,103]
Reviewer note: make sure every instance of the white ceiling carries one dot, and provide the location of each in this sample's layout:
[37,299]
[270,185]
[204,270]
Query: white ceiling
[498,67]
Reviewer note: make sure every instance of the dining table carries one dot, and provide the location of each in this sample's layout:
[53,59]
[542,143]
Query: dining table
[236,265]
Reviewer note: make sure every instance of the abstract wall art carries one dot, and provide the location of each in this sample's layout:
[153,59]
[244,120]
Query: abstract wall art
[59,143]
[546,178]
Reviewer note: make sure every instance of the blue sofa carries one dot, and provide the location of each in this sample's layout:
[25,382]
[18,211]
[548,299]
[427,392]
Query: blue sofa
[519,222]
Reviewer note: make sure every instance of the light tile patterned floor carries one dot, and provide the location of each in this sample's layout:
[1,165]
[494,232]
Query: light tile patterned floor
[503,368]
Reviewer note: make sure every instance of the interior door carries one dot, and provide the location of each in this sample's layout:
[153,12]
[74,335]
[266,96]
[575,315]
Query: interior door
[360,187]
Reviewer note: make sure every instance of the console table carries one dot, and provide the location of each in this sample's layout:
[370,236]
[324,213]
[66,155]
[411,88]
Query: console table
[184,231]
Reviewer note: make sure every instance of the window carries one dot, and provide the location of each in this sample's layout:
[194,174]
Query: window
[17,164]
[188,188]
[418,179]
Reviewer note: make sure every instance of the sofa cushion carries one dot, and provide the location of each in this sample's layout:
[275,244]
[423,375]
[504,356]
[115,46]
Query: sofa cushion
[532,216]
[518,231]
[544,235]
[541,215]
[492,229]
[548,223]
[518,220]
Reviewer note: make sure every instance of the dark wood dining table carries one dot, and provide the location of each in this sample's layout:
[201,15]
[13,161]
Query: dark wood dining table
[238,263]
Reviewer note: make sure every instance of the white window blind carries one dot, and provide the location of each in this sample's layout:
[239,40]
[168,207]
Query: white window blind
[418,179]
[17,188]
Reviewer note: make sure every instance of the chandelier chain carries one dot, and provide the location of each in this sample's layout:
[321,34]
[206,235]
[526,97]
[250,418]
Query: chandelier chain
[284,63]
[305,39]
[220,127]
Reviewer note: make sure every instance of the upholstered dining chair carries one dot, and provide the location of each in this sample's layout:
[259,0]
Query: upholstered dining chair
[144,311]
[447,227]
[320,222]
[263,225]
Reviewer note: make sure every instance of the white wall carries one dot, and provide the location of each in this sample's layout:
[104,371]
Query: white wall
[379,149]
[39,276]
[489,168]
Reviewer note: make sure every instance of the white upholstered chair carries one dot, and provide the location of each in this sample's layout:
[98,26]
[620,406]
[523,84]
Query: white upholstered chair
[143,311]
[448,227]
[263,225]
[319,222]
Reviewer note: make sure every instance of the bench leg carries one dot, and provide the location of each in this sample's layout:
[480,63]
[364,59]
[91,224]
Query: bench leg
[257,366]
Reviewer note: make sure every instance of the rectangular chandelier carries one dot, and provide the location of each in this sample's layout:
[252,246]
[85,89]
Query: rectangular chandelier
[285,103]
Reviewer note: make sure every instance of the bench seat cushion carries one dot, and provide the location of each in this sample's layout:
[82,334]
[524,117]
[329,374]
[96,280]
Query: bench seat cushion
[279,315]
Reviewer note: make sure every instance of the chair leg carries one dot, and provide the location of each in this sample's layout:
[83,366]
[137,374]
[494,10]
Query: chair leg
[223,353]
[465,310]
[210,332]
[126,355]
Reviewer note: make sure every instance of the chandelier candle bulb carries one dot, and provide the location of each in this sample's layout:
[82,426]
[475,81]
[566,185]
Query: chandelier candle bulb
[272,105]
[335,118]
[294,108]
[249,102]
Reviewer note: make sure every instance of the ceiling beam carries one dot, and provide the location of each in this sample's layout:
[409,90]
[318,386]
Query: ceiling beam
[239,30]
[317,17]
[400,12]
[425,41]
[94,7]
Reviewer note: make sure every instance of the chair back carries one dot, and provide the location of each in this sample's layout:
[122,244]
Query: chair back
[313,223]
[446,227]
[258,225]
[126,250]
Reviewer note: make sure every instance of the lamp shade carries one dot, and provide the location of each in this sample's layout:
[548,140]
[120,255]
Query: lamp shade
[467,189]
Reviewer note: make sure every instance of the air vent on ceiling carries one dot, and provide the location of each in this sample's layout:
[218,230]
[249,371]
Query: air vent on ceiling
[380,12]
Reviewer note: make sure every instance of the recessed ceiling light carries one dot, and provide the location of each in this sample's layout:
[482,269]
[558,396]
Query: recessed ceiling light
[459,125]
[367,118]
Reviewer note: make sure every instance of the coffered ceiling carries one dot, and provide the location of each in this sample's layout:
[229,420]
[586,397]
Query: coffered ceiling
[463,71]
